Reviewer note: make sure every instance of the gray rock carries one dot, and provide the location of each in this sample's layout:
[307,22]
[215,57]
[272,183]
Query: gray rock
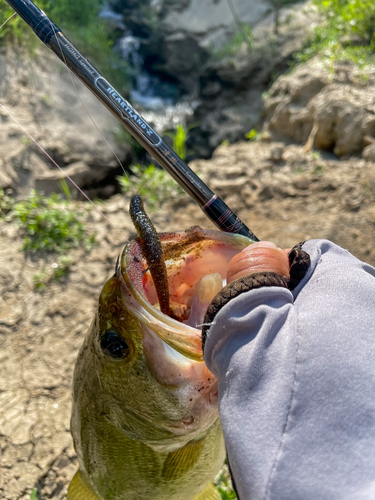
[336,108]
[231,88]
[368,153]
[60,121]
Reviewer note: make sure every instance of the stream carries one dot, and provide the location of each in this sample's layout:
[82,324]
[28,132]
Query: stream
[160,102]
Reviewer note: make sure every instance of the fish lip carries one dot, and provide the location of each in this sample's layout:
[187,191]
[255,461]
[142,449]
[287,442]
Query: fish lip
[185,339]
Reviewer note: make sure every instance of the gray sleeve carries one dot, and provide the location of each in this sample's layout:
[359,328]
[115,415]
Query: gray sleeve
[296,375]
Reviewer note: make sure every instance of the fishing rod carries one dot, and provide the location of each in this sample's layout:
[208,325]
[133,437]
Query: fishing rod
[214,207]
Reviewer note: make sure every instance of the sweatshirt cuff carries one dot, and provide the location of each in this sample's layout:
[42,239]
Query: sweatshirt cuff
[236,288]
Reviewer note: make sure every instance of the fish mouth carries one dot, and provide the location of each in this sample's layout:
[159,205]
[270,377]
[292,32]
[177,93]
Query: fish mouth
[189,256]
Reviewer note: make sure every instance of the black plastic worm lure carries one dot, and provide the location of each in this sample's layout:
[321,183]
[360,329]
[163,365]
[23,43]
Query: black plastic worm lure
[152,250]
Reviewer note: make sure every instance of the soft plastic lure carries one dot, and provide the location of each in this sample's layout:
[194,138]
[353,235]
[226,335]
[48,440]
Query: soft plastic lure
[152,250]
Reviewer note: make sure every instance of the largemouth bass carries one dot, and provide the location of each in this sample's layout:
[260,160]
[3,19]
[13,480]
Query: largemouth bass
[145,415]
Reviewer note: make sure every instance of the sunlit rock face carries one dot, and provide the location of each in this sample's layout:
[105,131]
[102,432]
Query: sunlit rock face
[178,38]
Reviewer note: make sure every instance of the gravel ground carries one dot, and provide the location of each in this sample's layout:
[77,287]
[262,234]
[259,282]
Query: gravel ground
[283,193]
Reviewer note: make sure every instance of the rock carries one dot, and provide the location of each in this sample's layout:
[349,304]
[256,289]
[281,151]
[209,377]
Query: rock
[228,112]
[11,311]
[337,109]
[51,111]
[343,117]
[178,38]
[368,153]
[198,47]
[49,181]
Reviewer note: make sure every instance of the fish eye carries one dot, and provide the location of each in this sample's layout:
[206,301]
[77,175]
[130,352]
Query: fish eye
[113,345]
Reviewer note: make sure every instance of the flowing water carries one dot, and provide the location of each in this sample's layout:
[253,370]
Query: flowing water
[154,98]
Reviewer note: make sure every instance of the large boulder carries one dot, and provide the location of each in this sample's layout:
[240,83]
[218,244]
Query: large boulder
[335,108]
[222,54]
[231,88]
[66,121]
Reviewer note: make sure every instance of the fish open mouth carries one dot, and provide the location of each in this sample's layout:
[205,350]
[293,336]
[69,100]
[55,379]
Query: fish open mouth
[196,262]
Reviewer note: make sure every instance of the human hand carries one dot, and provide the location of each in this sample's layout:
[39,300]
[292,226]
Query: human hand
[263,256]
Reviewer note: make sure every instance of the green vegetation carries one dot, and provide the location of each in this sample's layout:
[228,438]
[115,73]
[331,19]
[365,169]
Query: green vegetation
[47,223]
[154,183]
[34,494]
[81,23]
[179,137]
[318,170]
[315,155]
[252,135]
[243,37]
[50,225]
[223,484]
[347,32]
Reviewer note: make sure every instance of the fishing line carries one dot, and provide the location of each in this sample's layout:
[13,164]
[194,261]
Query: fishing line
[214,208]
[85,108]
[9,18]
[56,164]
[45,152]
[237,21]
[50,158]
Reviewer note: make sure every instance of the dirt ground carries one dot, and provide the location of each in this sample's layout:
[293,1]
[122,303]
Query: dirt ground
[283,193]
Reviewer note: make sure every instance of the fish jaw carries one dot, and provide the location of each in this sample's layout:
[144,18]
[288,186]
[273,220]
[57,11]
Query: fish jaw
[195,388]
[189,256]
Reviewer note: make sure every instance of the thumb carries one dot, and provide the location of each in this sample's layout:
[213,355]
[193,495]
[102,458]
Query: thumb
[263,256]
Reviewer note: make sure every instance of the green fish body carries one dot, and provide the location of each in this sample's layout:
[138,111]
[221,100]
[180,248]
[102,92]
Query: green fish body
[145,418]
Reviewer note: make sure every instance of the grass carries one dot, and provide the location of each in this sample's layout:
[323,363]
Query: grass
[179,137]
[346,33]
[252,135]
[34,494]
[153,183]
[223,484]
[47,224]
[81,22]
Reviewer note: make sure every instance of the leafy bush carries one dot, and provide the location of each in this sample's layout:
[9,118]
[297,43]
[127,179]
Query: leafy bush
[351,16]
[347,32]
[49,224]
[80,21]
